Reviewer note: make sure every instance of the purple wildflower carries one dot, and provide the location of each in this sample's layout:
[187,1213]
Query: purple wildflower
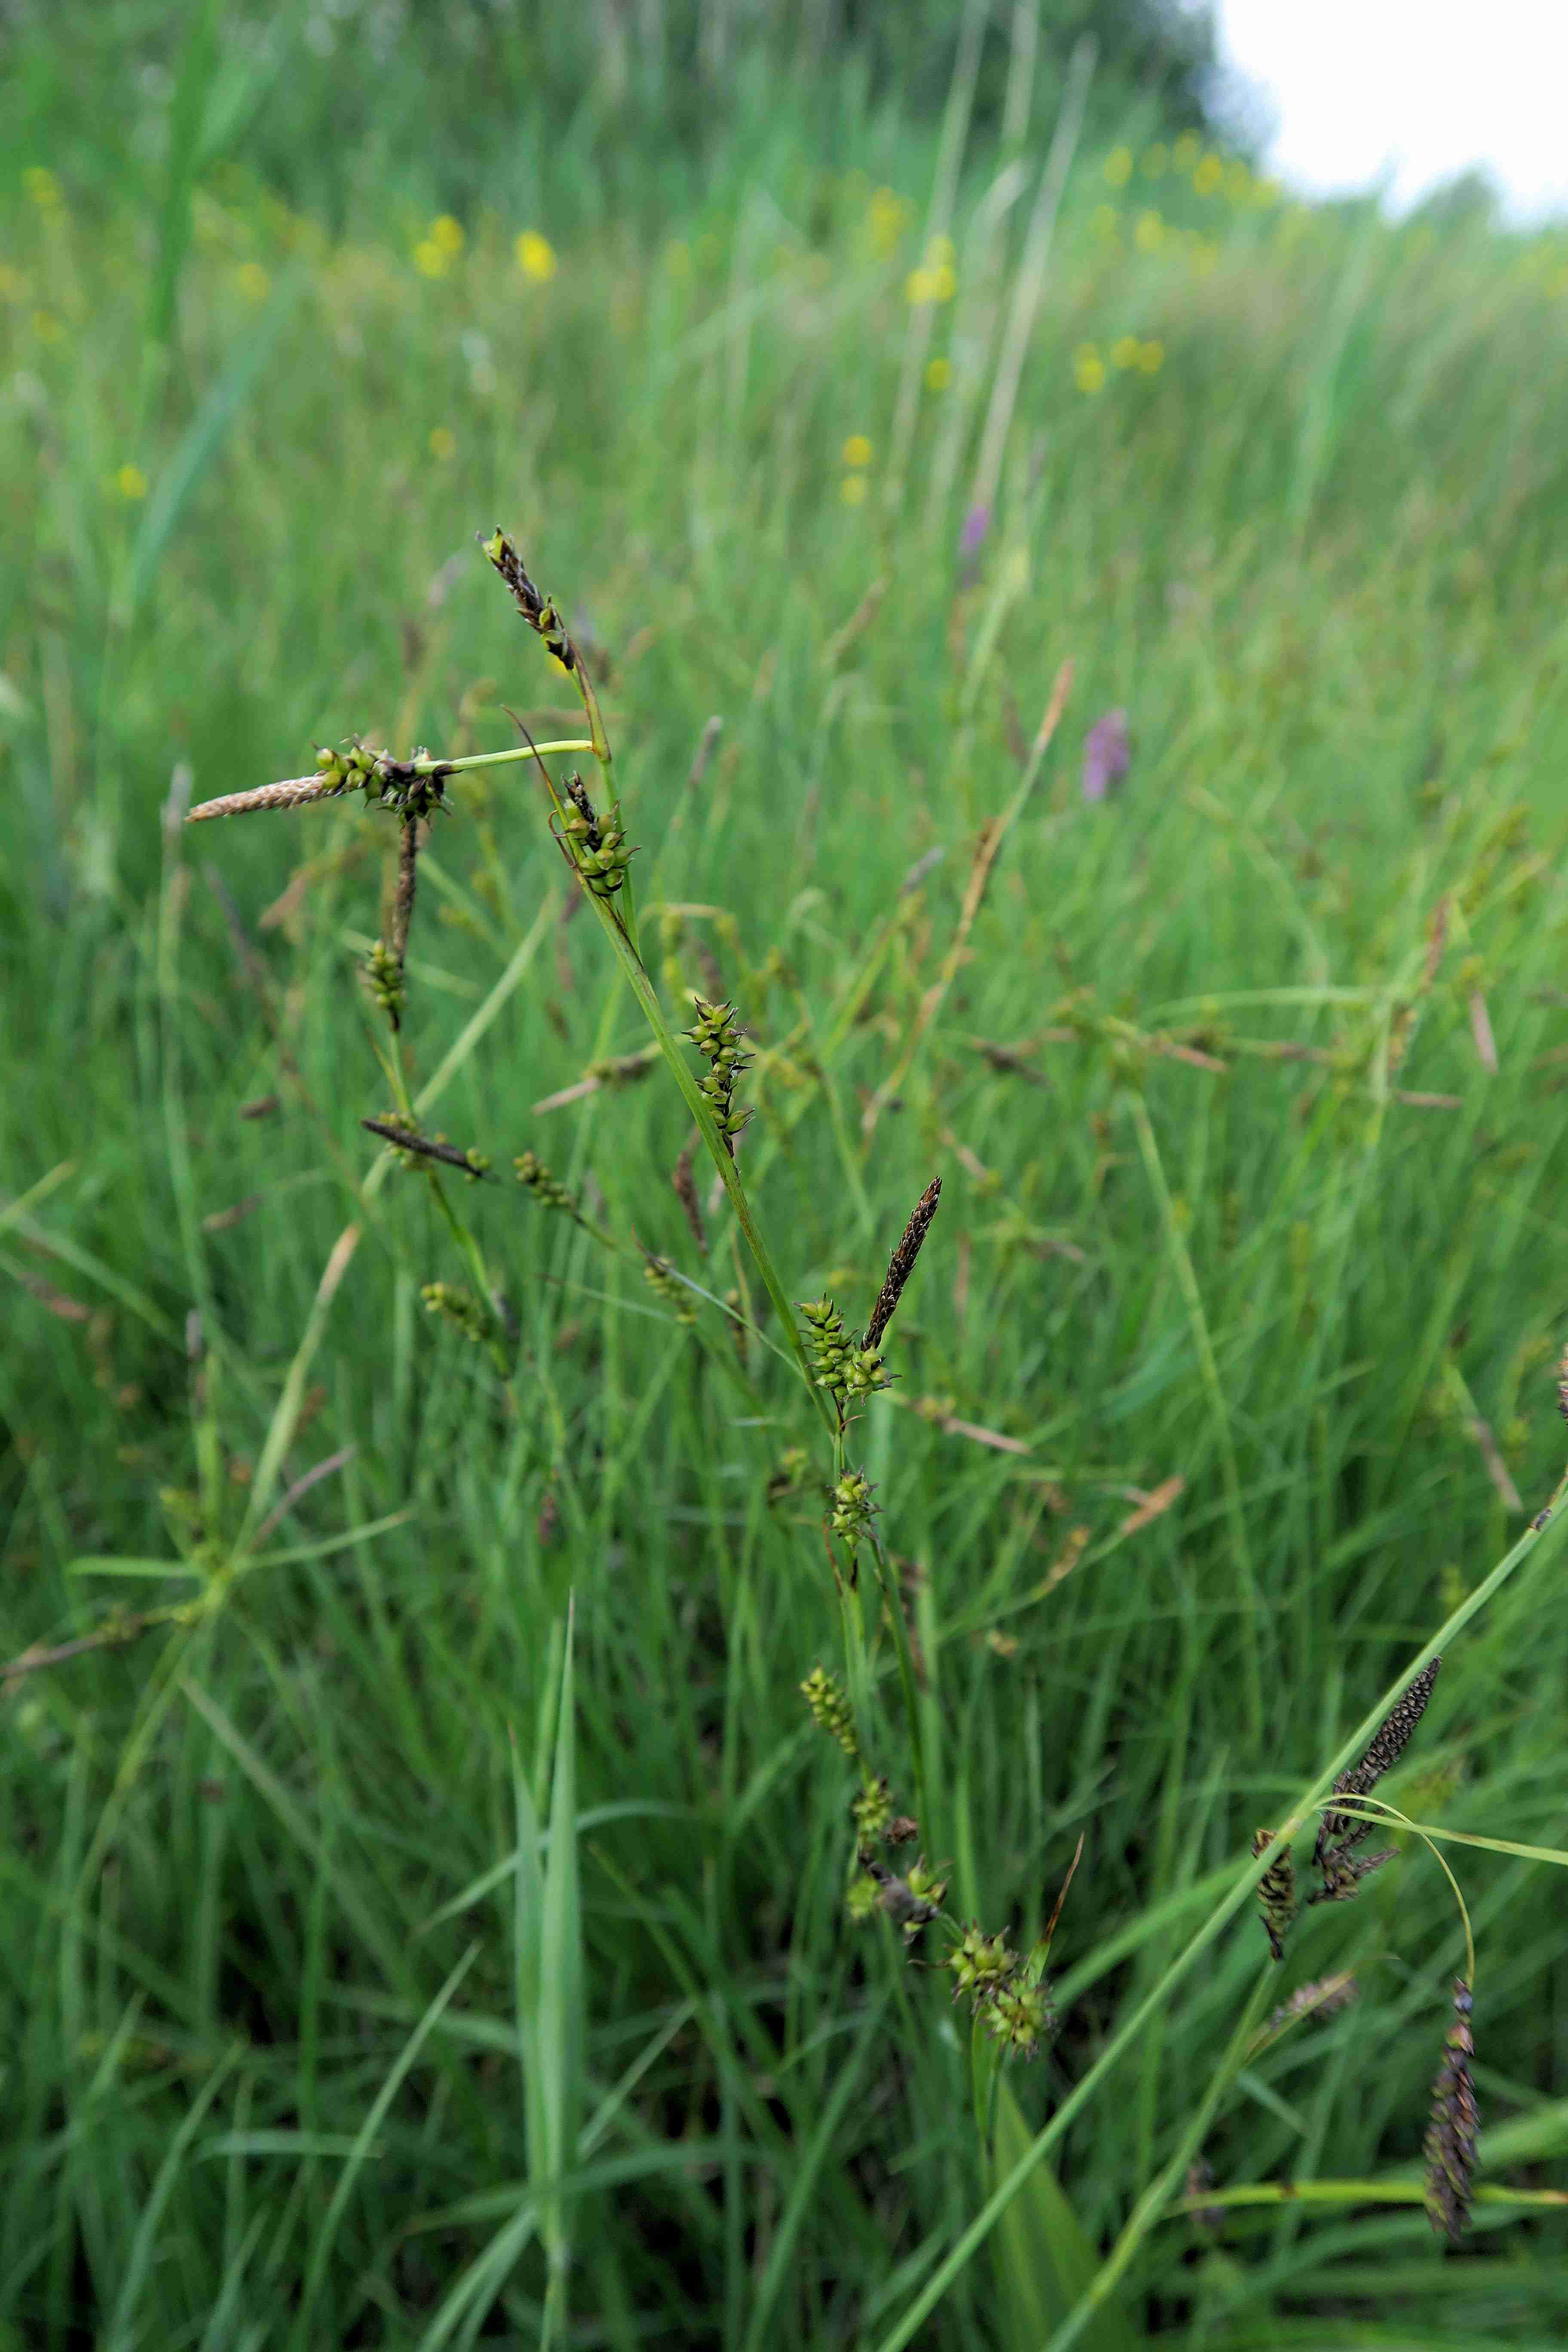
[1107,755]
[976,523]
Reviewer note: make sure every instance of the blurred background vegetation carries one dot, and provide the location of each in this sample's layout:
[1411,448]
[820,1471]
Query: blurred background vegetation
[1228,1370]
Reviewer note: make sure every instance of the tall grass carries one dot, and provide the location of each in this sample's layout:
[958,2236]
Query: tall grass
[465,1882]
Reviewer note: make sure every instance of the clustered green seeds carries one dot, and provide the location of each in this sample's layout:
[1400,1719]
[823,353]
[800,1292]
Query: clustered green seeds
[407,787]
[546,1187]
[1451,2136]
[662,1280]
[459,1307]
[1015,2006]
[980,1963]
[826,1696]
[718,1040]
[846,1372]
[853,1508]
[596,847]
[381,972]
[872,1813]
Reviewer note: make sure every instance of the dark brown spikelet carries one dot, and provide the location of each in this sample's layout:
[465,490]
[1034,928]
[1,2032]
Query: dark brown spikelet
[1450,2144]
[1322,1997]
[1276,1892]
[1343,1873]
[902,1262]
[471,1162]
[537,610]
[1344,1829]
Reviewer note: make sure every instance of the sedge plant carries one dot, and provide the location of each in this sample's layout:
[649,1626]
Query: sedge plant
[1052,2278]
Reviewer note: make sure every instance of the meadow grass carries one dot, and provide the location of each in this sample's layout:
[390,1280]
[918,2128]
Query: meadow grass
[427,1895]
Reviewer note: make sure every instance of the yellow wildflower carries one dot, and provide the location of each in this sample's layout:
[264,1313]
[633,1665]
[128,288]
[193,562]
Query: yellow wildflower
[1152,357]
[938,375]
[1118,167]
[42,187]
[444,444]
[535,257]
[47,328]
[1124,352]
[1237,182]
[1209,176]
[941,253]
[132,484]
[856,450]
[1186,151]
[1150,233]
[447,233]
[919,286]
[889,213]
[253,282]
[1089,369]
[429,258]
[852,490]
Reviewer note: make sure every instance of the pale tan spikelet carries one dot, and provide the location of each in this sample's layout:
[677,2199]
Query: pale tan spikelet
[290,794]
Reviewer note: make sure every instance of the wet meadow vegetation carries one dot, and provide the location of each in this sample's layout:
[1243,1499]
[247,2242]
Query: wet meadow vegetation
[925,818]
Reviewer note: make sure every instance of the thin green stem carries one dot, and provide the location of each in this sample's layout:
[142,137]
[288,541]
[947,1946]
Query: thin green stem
[426,766]
[1187,1282]
[893,1601]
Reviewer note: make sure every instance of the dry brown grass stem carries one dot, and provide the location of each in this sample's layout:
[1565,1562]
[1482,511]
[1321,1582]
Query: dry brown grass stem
[407,879]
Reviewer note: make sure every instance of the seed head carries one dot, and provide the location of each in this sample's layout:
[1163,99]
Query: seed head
[459,1307]
[1343,1871]
[980,1964]
[824,1695]
[1276,1892]
[1451,2136]
[536,1177]
[719,1042]
[411,1146]
[1344,1829]
[661,1279]
[853,1508]
[872,1813]
[846,1372]
[901,1264]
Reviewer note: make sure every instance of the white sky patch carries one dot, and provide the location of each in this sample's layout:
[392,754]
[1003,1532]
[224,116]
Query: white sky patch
[1413,92]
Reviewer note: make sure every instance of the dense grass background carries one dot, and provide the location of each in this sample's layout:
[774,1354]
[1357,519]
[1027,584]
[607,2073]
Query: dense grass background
[1287,485]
